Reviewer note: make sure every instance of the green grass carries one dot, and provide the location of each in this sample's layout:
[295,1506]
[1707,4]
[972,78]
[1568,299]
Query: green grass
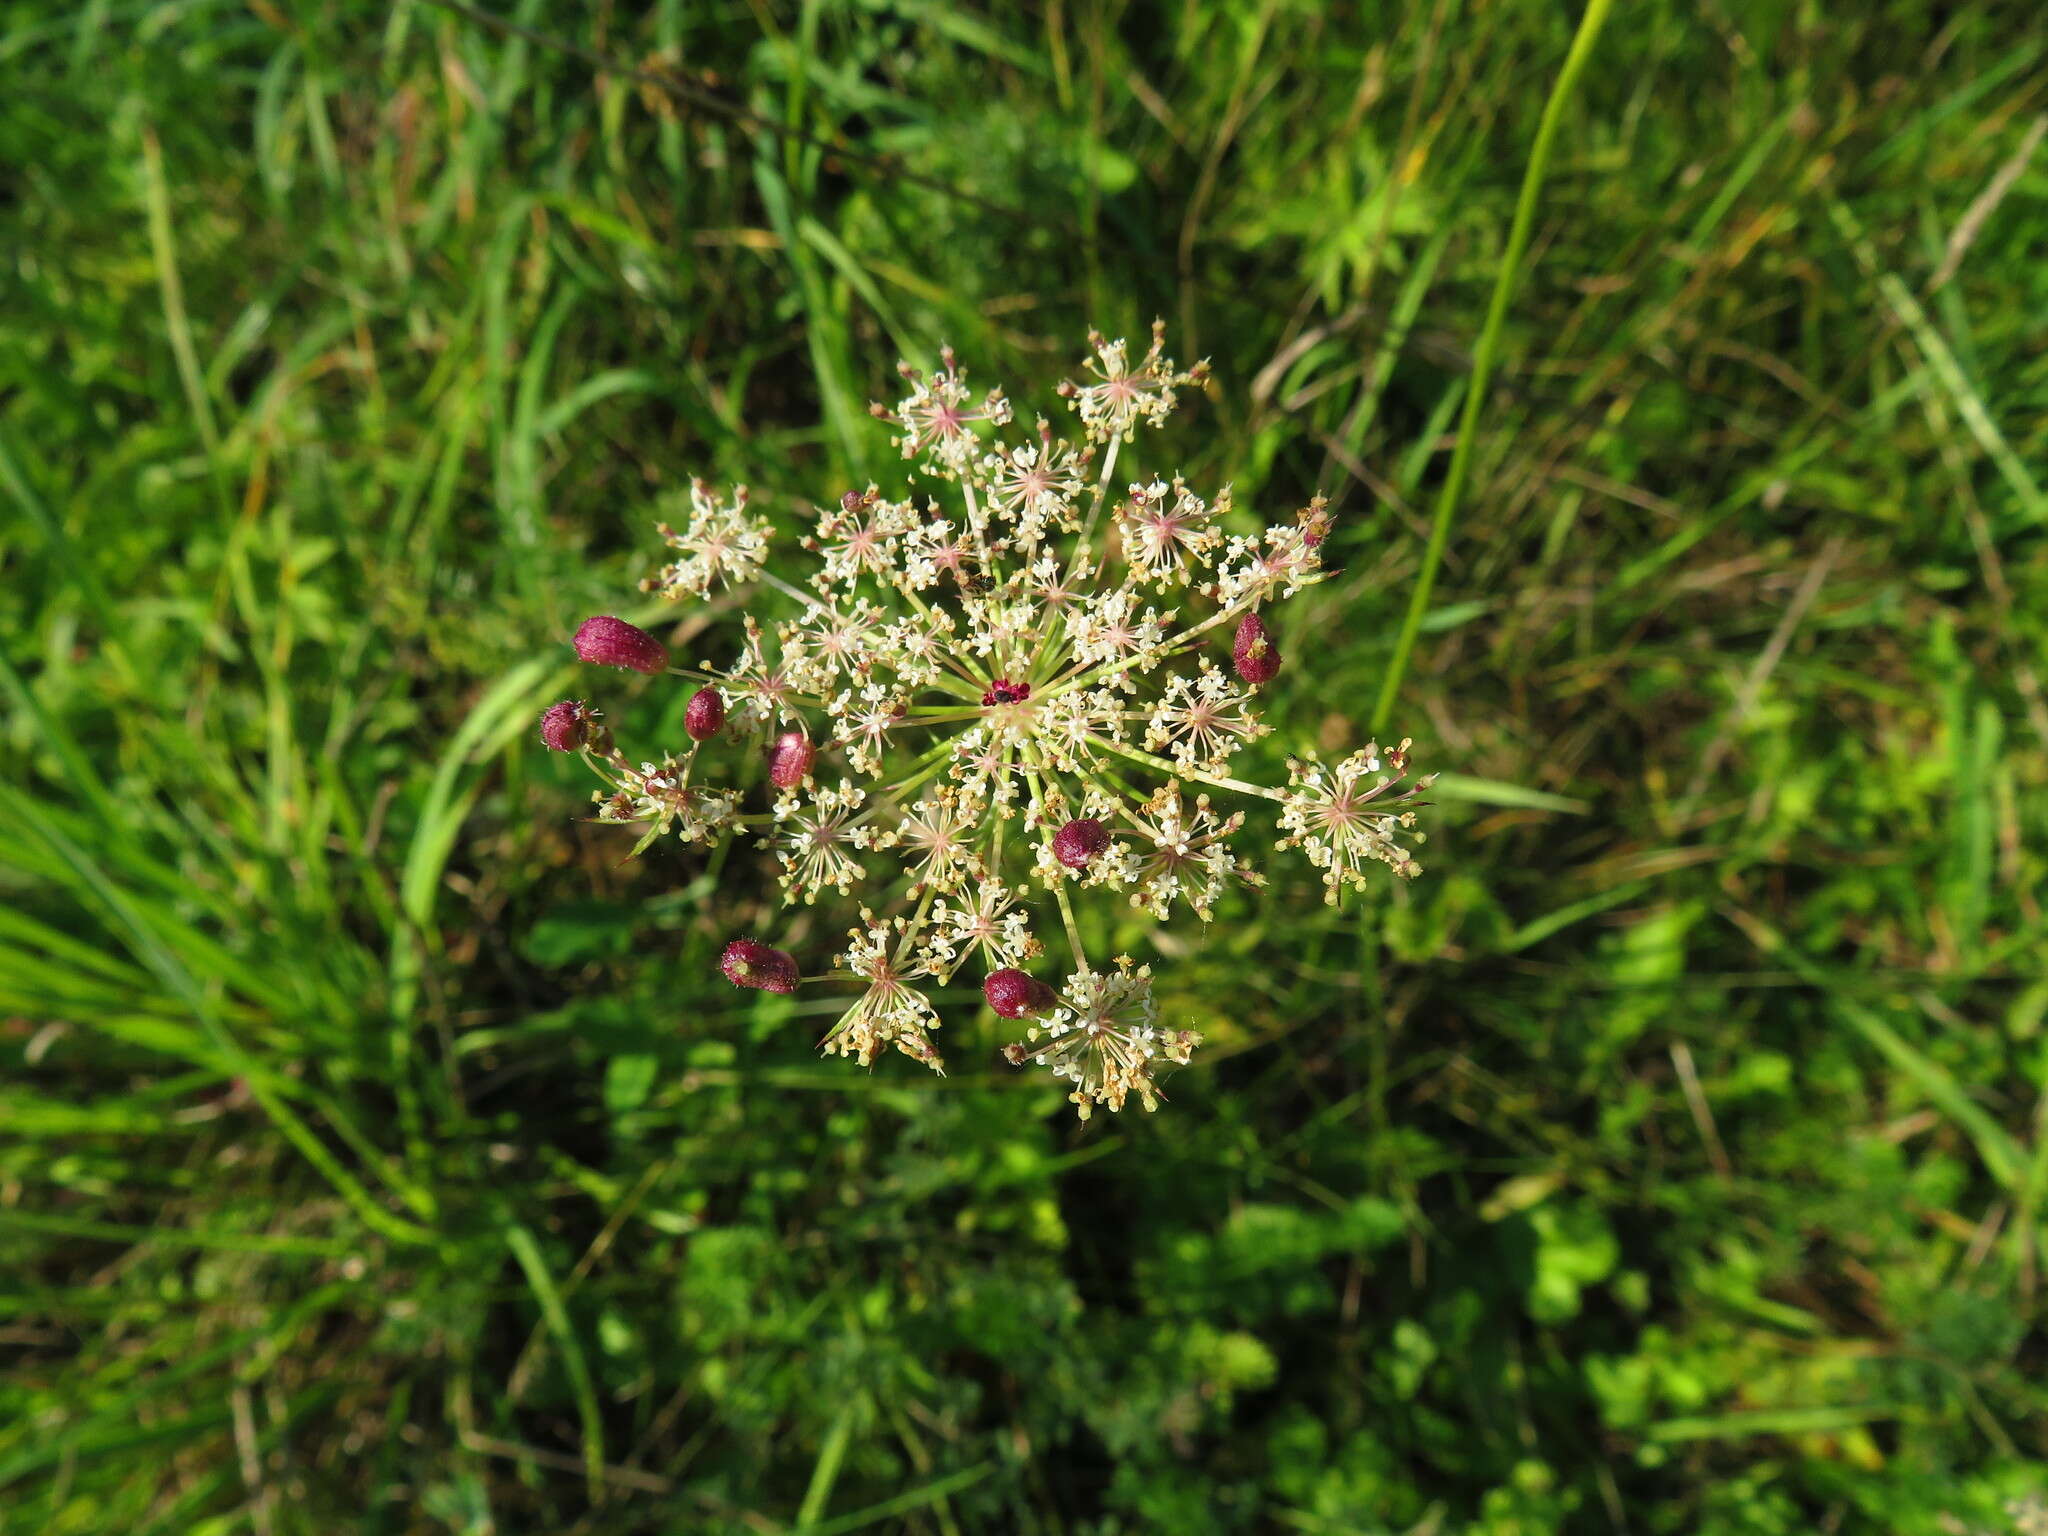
[378,1151]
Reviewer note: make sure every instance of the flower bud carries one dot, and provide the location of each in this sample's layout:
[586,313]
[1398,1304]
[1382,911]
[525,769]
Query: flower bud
[704,716]
[1079,841]
[1015,995]
[1253,652]
[750,963]
[566,727]
[790,759]
[608,642]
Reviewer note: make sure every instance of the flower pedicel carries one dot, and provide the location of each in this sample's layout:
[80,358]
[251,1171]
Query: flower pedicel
[1021,692]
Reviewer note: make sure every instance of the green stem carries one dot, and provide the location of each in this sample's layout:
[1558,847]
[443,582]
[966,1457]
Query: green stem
[1482,355]
[1213,780]
[1032,770]
[1101,493]
[1059,892]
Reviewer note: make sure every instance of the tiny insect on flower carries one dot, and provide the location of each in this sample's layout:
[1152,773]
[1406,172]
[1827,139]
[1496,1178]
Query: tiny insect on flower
[704,715]
[1252,651]
[1077,844]
[1015,995]
[999,691]
[750,963]
[604,641]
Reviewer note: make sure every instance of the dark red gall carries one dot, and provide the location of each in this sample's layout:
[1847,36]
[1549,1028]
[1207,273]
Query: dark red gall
[1015,995]
[565,727]
[750,963]
[1253,652]
[608,642]
[1077,844]
[790,759]
[704,715]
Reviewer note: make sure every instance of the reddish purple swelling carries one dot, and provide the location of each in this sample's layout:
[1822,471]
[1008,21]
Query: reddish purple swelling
[608,642]
[1015,995]
[790,759]
[750,963]
[1077,844]
[1253,652]
[704,716]
[565,727]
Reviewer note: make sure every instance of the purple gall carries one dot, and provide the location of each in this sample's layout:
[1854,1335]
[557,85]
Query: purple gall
[608,642]
[704,716]
[567,726]
[790,759]
[1253,652]
[1079,842]
[1015,995]
[750,963]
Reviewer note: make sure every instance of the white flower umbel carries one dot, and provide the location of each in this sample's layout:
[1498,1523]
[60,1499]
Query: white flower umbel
[1005,685]
[1104,1037]
[1334,815]
[720,543]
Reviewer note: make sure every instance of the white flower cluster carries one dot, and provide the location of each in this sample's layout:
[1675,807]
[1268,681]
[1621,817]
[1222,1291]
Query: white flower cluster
[1334,816]
[720,543]
[1103,1037]
[1027,687]
[660,797]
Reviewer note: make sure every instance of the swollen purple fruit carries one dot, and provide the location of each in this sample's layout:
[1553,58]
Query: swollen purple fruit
[1253,652]
[566,727]
[608,642]
[704,715]
[790,759]
[750,963]
[1077,844]
[1015,995]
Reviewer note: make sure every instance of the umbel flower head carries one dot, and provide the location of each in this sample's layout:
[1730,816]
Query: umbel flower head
[1017,680]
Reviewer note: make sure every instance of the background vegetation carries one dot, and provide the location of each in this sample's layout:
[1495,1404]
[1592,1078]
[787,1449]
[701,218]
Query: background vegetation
[378,1151]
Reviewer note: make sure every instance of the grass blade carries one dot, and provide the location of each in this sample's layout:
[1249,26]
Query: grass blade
[1482,356]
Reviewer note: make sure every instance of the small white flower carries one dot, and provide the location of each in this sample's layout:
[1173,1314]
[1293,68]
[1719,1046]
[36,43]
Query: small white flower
[1105,1039]
[937,550]
[1182,855]
[1111,629]
[1200,722]
[1036,486]
[761,692]
[1168,532]
[1334,816]
[720,543]
[818,844]
[662,796]
[987,922]
[1125,396]
[830,642]
[1280,564]
[862,719]
[861,537]
[890,1011]
[939,835]
[938,417]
